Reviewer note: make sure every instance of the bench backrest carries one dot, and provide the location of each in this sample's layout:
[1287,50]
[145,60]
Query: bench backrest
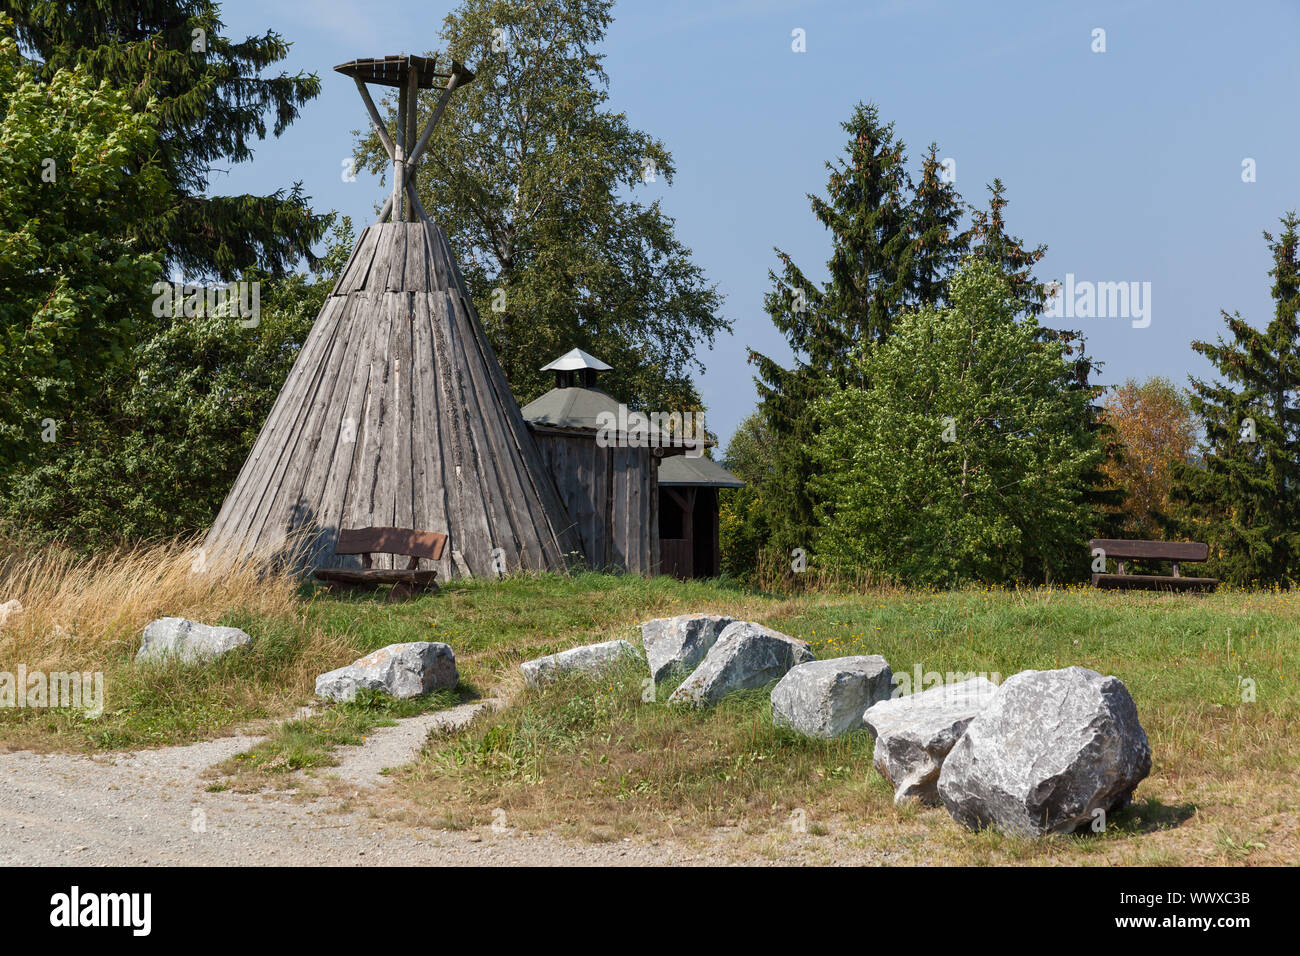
[416,544]
[1152,550]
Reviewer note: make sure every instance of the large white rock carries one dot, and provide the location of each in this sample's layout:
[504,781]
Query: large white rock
[828,698]
[402,670]
[679,643]
[915,733]
[746,655]
[188,640]
[10,609]
[1051,748]
[589,659]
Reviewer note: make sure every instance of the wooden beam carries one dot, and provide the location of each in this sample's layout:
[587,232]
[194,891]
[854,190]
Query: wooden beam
[453,81]
[399,159]
[408,137]
[375,118]
[1157,550]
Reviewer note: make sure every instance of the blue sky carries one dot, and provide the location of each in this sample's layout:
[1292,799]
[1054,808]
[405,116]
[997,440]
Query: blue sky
[1127,163]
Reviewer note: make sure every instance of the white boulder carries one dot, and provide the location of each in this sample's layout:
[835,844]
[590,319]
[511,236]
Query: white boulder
[402,670]
[746,655]
[679,643]
[915,733]
[1052,753]
[188,640]
[589,659]
[827,698]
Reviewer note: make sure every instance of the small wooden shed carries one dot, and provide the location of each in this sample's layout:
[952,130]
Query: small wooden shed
[688,515]
[615,491]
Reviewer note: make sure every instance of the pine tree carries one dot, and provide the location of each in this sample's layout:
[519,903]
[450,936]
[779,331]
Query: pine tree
[938,241]
[1247,495]
[210,99]
[1009,255]
[870,219]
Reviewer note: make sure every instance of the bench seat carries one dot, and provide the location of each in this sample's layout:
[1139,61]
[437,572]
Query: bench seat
[370,576]
[1153,582]
[399,542]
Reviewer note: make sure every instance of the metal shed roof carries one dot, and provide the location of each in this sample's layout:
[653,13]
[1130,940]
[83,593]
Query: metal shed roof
[575,359]
[682,470]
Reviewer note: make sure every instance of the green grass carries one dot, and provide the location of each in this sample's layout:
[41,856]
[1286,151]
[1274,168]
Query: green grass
[309,742]
[595,760]
[491,626]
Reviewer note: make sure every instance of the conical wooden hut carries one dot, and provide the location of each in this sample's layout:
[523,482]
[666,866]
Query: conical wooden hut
[396,412]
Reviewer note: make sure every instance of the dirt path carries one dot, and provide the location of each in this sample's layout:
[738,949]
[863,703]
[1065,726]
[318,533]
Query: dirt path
[394,746]
[151,807]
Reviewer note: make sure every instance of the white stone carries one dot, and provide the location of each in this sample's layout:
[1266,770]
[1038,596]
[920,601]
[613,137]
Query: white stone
[915,733]
[745,656]
[9,610]
[188,640]
[588,659]
[827,698]
[402,670]
[1054,752]
[679,643]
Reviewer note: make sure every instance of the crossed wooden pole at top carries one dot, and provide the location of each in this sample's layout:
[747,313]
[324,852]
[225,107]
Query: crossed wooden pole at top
[403,204]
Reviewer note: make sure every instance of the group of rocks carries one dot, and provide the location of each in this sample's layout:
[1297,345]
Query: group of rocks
[401,670]
[1044,752]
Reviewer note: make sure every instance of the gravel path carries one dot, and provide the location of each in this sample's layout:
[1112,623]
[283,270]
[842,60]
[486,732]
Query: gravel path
[151,807]
[394,746]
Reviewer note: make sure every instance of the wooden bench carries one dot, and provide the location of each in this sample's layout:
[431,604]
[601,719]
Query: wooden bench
[1174,551]
[394,541]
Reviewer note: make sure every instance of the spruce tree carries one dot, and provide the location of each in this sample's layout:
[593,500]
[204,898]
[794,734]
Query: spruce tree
[1247,496]
[869,216]
[1009,255]
[1015,260]
[938,241]
[209,96]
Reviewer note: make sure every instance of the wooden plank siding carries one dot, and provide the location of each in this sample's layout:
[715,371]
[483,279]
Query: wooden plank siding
[612,497]
[396,414]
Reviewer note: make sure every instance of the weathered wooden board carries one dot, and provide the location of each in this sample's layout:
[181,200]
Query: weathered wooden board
[611,495]
[1154,550]
[396,413]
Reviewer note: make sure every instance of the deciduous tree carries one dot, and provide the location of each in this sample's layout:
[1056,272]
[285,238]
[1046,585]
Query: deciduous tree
[964,459]
[76,262]
[1154,436]
[532,175]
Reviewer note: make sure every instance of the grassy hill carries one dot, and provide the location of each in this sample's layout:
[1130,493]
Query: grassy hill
[597,760]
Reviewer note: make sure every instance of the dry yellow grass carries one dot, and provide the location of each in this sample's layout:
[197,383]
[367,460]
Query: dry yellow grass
[87,611]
